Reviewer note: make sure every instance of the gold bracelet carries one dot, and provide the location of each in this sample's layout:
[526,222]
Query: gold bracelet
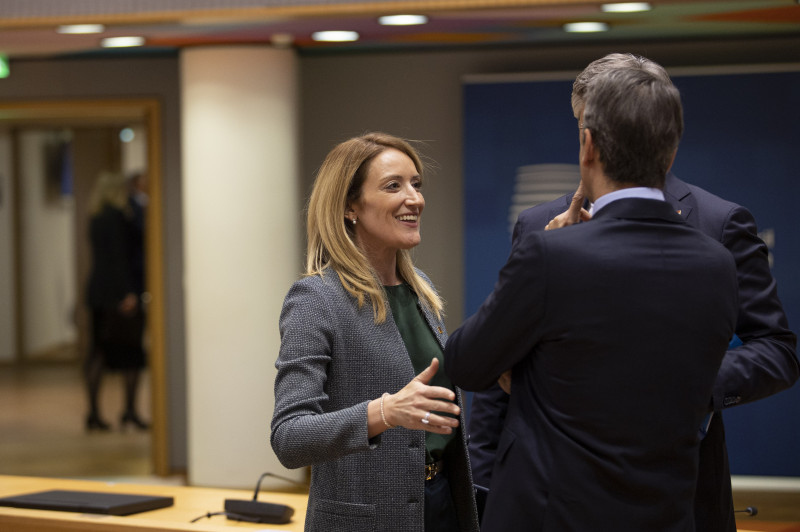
[383,417]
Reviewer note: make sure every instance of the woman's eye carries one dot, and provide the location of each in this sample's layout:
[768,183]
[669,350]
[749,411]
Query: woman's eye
[417,184]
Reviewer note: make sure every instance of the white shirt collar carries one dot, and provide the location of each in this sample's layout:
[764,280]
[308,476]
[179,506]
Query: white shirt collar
[633,192]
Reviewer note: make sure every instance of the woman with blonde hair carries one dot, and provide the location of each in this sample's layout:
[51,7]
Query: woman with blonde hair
[386,448]
[117,319]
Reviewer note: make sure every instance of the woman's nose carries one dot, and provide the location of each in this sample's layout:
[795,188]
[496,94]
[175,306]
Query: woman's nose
[413,195]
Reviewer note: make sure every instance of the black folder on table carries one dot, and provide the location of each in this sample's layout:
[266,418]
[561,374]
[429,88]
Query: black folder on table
[91,502]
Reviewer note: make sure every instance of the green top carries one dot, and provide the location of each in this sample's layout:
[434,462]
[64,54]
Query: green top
[422,346]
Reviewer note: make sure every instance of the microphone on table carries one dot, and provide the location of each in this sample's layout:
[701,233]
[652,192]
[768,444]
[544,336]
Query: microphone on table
[750,510]
[255,511]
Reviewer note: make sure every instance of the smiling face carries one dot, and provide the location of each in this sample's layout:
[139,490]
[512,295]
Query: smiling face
[388,208]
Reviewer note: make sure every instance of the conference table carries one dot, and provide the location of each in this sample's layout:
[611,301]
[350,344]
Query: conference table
[190,503]
[769,526]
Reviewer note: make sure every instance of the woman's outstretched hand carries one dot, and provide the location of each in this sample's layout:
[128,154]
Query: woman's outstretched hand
[417,402]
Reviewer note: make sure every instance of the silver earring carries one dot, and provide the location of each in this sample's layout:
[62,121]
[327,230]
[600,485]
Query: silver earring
[354,221]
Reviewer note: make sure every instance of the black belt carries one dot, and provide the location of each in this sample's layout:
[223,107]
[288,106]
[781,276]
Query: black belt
[431,470]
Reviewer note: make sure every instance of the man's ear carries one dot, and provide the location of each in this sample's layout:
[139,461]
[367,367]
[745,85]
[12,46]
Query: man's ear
[672,161]
[588,152]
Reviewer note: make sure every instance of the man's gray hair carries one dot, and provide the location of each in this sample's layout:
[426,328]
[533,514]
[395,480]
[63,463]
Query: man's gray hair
[608,62]
[636,122]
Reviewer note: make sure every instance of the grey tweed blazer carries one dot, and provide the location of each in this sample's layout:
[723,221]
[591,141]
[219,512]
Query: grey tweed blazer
[333,360]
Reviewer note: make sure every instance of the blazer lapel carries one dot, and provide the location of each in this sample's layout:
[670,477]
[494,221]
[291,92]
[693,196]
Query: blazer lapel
[437,326]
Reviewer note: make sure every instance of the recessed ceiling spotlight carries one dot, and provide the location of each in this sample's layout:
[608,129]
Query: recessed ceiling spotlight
[335,36]
[122,42]
[75,29]
[402,20]
[626,7]
[585,27]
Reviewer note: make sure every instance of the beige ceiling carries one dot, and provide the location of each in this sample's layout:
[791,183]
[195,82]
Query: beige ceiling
[27,27]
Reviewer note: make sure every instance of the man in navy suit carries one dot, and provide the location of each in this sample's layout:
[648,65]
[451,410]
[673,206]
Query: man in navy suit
[764,364]
[597,323]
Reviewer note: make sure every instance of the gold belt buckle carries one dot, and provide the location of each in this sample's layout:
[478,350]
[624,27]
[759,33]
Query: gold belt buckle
[431,470]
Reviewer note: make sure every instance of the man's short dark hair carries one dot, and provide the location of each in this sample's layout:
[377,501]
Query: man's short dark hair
[636,120]
[608,62]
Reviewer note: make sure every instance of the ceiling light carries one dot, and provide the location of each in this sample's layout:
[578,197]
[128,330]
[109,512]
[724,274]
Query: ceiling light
[626,7]
[585,27]
[81,28]
[335,36]
[122,42]
[403,20]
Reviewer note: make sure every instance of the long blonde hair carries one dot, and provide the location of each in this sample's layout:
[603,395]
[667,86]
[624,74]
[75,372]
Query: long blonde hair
[331,241]
[110,188]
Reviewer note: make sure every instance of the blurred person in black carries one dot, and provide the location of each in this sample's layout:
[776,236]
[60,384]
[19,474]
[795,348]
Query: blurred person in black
[137,202]
[117,319]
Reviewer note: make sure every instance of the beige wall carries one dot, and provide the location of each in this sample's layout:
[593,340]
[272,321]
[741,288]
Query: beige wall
[47,262]
[239,113]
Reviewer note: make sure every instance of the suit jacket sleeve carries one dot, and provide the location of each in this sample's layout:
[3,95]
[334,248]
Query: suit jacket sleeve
[486,417]
[766,362]
[303,433]
[488,407]
[492,340]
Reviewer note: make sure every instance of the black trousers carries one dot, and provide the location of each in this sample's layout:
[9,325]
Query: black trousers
[440,512]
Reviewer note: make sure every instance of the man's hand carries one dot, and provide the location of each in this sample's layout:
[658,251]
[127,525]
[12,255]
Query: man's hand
[505,381]
[574,214]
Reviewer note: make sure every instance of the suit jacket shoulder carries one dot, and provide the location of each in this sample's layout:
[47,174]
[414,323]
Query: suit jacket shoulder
[766,362]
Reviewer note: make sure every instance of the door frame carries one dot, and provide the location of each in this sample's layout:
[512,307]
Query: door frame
[111,112]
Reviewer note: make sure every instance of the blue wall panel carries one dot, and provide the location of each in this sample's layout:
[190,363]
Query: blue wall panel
[742,133]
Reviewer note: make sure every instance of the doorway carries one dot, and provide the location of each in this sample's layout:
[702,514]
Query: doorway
[45,258]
